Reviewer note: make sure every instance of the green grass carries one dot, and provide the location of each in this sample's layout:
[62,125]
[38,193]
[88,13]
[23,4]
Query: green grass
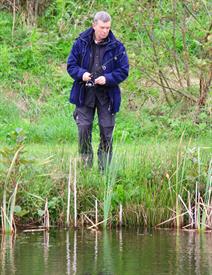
[35,86]
[145,182]
[51,121]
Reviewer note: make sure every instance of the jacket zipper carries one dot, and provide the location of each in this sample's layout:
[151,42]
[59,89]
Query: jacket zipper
[108,49]
[84,51]
[80,92]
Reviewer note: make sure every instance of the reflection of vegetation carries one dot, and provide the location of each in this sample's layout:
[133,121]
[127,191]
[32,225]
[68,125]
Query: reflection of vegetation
[107,266]
[167,252]
[7,253]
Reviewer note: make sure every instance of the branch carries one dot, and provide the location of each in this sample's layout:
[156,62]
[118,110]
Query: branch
[191,13]
[190,97]
[156,59]
[14,15]
[185,50]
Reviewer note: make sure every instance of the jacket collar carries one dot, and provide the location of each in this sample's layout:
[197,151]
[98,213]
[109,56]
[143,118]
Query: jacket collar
[87,36]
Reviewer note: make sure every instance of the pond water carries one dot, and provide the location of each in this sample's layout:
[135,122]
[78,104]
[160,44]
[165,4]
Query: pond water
[111,252]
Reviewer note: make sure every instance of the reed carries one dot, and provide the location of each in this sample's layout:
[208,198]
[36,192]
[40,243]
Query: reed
[120,215]
[109,182]
[7,210]
[153,186]
[69,196]
[198,201]
[46,219]
[204,203]
[75,193]
[96,211]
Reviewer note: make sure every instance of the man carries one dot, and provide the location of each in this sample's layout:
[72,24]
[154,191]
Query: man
[98,63]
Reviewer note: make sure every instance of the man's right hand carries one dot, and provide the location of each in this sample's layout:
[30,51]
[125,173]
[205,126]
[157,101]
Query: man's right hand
[86,76]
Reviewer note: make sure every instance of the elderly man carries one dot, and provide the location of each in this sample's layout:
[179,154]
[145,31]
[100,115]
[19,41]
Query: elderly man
[98,63]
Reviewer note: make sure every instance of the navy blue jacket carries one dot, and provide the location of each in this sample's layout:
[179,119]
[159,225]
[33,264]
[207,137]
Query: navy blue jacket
[115,71]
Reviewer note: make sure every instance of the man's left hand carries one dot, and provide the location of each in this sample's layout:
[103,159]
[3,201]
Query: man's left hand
[101,80]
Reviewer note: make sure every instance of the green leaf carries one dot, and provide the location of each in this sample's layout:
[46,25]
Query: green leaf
[17,209]
[22,213]
[41,212]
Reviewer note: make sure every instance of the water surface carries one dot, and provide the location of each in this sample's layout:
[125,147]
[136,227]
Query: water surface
[106,253]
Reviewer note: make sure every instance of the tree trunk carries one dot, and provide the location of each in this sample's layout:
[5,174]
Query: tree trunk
[206,73]
[205,82]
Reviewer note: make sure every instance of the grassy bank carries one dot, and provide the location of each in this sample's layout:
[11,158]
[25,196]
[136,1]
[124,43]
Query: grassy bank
[52,122]
[146,179]
[34,88]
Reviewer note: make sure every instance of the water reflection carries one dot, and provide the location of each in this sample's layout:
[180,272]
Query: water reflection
[108,252]
[195,253]
[75,253]
[96,247]
[120,240]
[71,260]
[7,253]
[46,248]
[68,257]
[107,267]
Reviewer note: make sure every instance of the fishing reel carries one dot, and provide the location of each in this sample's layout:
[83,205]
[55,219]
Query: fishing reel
[91,83]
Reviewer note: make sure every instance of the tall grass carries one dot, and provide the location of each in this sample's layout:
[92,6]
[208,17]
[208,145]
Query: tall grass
[7,210]
[109,183]
[192,190]
[155,185]
[147,180]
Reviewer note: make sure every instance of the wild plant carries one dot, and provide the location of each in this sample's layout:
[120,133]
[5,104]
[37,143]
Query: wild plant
[109,182]
[191,190]
[12,156]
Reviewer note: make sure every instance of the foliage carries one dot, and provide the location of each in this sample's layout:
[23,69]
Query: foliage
[33,67]
[11,157]
[146,179]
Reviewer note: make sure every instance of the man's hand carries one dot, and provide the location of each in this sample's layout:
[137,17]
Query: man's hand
[86,76]
[101,80]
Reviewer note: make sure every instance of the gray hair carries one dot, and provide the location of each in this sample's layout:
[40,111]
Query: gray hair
[103,16]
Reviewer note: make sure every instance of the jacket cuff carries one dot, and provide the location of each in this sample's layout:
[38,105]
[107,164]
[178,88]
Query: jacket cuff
[109,79]
[80,73]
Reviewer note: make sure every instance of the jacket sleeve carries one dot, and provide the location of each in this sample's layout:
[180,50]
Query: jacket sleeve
[121,71]
[73,63]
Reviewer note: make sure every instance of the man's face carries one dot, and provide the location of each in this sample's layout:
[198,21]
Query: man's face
[101,29]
